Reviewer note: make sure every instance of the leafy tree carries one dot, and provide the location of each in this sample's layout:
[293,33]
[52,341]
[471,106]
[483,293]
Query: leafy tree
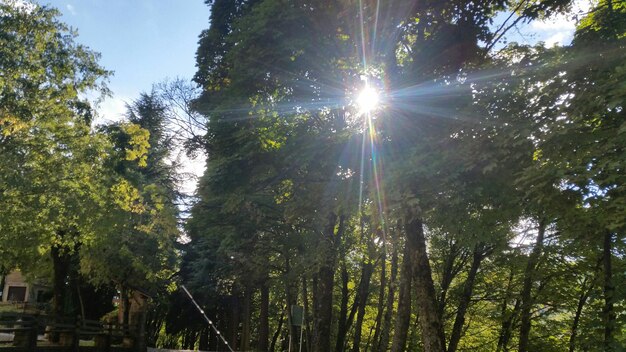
[137,250]
[52,172]
[479,147]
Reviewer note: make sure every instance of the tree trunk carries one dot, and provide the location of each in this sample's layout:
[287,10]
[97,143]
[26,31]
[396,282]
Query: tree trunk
[140,340]
[277,332]
[351,315]
[383,343]
[325,284]
[430,320]
[342,323]
[362,294]
[264,327]
[403,317]
[60,267]
[381,304]
[245,326]
[125,304]
[526,297]
[584,294]
[468,288]
[447,277]
[314,312]
[60,272]
[234,323]
[79,296]
[290,297]
[505,326]
[203,344]
[305,302]
[608,311]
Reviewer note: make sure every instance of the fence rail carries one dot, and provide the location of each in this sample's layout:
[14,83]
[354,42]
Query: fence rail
[23,307]
[151,349]
[34,332]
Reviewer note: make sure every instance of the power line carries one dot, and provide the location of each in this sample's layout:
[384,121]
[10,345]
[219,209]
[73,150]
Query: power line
[206,318]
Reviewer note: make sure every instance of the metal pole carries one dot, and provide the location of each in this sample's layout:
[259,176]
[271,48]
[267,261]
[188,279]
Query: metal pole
[301,330]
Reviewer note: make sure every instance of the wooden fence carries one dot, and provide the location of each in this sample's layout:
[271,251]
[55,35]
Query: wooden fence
[43,333]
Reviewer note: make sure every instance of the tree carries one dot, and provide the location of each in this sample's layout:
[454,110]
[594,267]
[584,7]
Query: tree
[475,142]
[52,171]
[137,250]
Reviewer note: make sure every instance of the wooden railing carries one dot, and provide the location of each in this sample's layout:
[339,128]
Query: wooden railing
[31,332]
[23,307]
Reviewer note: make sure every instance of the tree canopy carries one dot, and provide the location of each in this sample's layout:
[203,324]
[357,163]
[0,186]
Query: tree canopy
[471,199]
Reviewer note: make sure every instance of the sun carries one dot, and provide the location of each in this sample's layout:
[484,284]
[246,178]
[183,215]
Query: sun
[367,100]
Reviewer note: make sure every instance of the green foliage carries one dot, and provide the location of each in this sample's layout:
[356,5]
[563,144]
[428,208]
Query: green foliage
[512,160]
[51,170]
[137,247]
[87,205]
[480,145]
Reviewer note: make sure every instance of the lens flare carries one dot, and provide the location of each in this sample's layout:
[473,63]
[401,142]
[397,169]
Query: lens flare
[367,100]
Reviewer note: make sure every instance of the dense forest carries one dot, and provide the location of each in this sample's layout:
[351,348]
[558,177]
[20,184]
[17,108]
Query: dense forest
[395,168]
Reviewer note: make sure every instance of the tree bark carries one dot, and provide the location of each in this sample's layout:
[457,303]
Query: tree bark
[383,343]
[526,296]
[380,310]
[80,297]
[60,267]
[277,332]
[342,328]
[447,276]
[203,344]
[323,324]
[291,296]
[507,326]
[362,294]
[264,327]
[608,311]
[234,323]
[60,272]
[584,295]
[325,284]
[403,317]
[468,288]
[305,302]
[246,312]
[351,315]
[124,292]
[426,299]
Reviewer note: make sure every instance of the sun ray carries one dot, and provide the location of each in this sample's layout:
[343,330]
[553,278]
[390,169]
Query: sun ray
[377,175]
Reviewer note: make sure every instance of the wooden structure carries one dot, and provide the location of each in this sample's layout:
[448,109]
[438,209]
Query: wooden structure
[28,332]
[17,289]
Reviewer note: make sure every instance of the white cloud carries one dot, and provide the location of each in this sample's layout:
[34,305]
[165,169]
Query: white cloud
[71,9]
[555,23]
[563,22]
[192,169]
[559,38]
[111,110]
[23,5]
[559,29]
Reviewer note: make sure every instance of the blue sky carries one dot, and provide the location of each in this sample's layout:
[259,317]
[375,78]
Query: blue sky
[143,41]
[147,41]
